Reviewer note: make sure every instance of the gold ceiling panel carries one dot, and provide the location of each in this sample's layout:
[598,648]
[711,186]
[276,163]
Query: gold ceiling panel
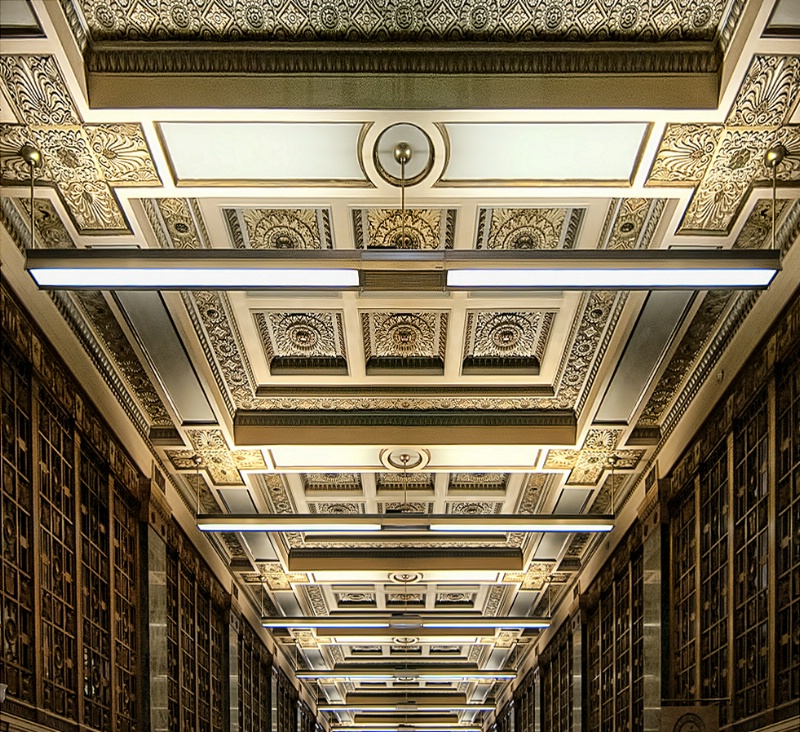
[528,228]
[404,340]
[83,162]
[478,482]
[305,342]
[418,228]
[588,463]
[259,228]
[498,342]
[723,162]
[327,482]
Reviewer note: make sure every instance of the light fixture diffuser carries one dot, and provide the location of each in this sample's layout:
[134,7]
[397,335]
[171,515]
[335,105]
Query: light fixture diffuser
[405,707]
[234,269]
[405,622]
[676,269]
[404,673]
[405,523]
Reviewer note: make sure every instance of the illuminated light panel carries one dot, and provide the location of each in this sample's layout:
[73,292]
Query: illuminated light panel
[166,278]
[613,279]
[404,622]
[406,674]
[411,707]
[407,522]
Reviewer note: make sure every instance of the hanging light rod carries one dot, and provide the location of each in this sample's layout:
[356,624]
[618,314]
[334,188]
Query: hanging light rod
[370,270]
[405,622]
[405,673]
[405,522]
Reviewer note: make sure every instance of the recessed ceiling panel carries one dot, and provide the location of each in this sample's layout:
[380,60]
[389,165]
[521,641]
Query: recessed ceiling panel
[263,153]
[562,153]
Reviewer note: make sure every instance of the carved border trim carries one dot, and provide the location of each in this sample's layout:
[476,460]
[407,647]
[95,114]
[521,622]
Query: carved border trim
[413,58]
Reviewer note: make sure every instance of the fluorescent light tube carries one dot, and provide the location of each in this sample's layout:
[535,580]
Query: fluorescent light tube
[609,279]
[405,708]
[160,278]
[531,527]
[413,523]
[417,673]
[501,623]
[312,624]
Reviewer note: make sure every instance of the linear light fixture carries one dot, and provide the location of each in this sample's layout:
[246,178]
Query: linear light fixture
[405,522]
[405,707]
[177,269]
[235,269]
[676,269]
[405,622]
[405,673]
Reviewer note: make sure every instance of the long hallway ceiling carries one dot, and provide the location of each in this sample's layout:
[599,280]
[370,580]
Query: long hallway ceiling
[242,124]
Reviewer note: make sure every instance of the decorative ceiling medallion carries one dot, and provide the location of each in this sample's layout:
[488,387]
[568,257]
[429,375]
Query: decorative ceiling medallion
[588,464]
[528,228]
[328,482]
[338,507]
[404,506]
[512,342]
[419,163]
[475,482]
[81,161]
[474,508]
[533,579]
[413,341]
[215,458]
[259,228]
[273,575]
[421,228]
[297,343]
[723,162]
[404,458]
[402,20]
[396,481]
[405,578]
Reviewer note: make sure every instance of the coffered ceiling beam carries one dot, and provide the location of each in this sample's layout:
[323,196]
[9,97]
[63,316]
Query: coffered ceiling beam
[401,559]
[394,427]
[404,76]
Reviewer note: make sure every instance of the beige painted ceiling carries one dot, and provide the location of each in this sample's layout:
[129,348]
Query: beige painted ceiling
[218,124]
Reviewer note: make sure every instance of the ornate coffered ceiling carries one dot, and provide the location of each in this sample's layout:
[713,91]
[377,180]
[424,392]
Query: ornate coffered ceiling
[500,392]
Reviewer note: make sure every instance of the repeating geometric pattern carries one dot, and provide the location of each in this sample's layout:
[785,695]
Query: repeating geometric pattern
[404,335]
[526,228]
[588,463]
[379,20]
[179,221]
[478,482]
[520,334]
[631,223]
[723,162]
[220,462]
[313,482]
[81,161]
[427,228]
[257,228]
[304,335]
